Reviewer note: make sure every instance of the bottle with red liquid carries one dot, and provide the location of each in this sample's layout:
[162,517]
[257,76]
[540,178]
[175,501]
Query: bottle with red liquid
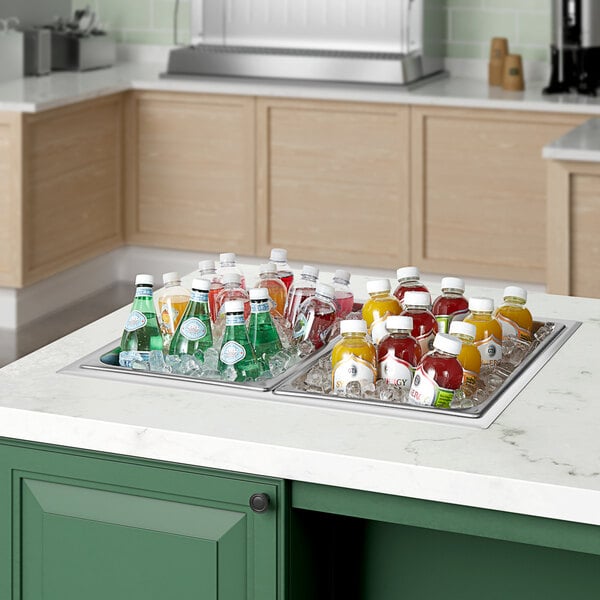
[344,297]
[398,353]
[228,264]
[450,305]
[408,281]
[424,324]
[301,290]
[232,290]
[439,374]
[284,271]
[208,271]
[316,317]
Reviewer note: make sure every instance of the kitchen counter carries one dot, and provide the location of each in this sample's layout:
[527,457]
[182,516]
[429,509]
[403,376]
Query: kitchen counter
[541,456]
[34,94]
[580,144]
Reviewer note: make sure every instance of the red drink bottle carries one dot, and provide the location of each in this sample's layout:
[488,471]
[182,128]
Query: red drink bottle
[301,290]
[424,324]
[208,271]
[284,272]
[316,317]
[398,353]
[344,297]
[451,305]
[408,281]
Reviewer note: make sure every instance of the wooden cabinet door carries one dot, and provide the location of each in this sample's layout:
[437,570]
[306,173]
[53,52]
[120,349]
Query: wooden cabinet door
[479,191]
[333,181]
[190,176]
[97,529]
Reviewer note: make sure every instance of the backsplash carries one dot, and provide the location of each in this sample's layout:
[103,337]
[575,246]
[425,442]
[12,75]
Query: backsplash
[471,24]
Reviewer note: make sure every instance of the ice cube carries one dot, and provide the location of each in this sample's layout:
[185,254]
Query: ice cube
[305,348]
[230,374]
[140,365]
[156,361]
[353,388]
[188,365]
[211,358]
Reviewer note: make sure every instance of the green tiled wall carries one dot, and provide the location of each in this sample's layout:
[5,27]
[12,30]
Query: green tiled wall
[471,24]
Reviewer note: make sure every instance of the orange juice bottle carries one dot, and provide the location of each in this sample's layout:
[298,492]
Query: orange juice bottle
[488,336]
[353,358]
[267,278]
[380,305]
[469,356]
[514,317]
[172,302]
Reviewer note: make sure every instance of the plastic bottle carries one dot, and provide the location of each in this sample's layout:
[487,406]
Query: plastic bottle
[236,349]
[344,297]
[228,264]
[469,356]
[316,316]
[439,374]
[425,326]
[194,334]
[408,281]
[267,278]
[451,305]
[261,330]
[172,302]
[398,353]
[284,272]
[513,316]
[141,334]
[301,290]
[488,338]
[232,290]
[208,270]
[354,357]
[380,305]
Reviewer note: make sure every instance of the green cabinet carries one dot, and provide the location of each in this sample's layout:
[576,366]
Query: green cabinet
[99,527]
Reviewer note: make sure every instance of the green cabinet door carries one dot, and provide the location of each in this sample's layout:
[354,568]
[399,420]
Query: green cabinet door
[77,527]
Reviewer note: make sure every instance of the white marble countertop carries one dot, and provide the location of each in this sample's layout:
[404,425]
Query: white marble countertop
[579,144]
[541,456]
[34,94]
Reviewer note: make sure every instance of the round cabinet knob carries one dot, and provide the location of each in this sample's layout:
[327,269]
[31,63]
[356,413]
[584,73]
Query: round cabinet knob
[259,503]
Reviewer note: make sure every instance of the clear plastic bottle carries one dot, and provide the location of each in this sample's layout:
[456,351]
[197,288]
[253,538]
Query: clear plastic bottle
[141,334]
[301,289]
[513,315]
[469,356]
[172,301]
[267,278]
[316,316]
[232,290]
[450,305]
[409,280]
[284,271]
[354,357]
[228,264]
[425,326]
[344,296]
[208,270]
[380,305]
[261,330]
[488,338]
[398,353]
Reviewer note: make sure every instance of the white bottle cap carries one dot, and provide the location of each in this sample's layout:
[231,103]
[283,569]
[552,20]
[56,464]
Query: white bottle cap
[206,265]
[417,299]
[171,277]
[453,283]
[353,326]
[481,305]
[233,306]
[398,322]
[269,267]
[407,273]
[144,279]
[278,255]
[447,343]
[463,328]
[232,278]
[201,284]
[324,289]
[512,291]
[227,257]
[310,270]
[259,293]
[376,286]
[343,275]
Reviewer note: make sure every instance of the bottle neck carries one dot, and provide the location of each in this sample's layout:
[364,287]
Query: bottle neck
[208,273]
[452,293]
[171,284]
[413,308]
[261,306]
[482,314]
[234,319]
[443,354]
[467,339]
[308,278]
[143,291]
[400,333]
[323,298]
[200,296]
[514,301]
[411,281]
[354,335]
[380,295]
[341,282]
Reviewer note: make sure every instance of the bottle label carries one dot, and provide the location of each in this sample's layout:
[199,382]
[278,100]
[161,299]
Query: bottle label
[426,341]
[143,292]
[378,331]
[511,328]
[302,326]
[126,358]
[444,321]
[490,349]
[353,368]
[426,392]
[396,371]
[197,296]
[135,321]
[234,319]
[193,329]
[262,306]
[232,352]
[469,378]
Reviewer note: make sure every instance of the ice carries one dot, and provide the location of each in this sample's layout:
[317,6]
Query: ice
[353,388]
[211,374]
[305,348]
[277,363]
[188,366]
[317,379]
[514,350]
[264,376]
[461,400]
[370,391]
[385,391]
[156,361]
[230,373]
[211,359]
[544,331]
[140,365]
[284,331]
[401,395]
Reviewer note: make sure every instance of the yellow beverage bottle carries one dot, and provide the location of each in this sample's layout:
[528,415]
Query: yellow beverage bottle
[513,316]
[380,305]
[469,356]
[172,302]
[488,336]
[353,358]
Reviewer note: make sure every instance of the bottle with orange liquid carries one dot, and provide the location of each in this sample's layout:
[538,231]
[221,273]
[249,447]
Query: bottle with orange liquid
[488,337]
[513,316]
[284,272]
[409,280]
[469,356]
[267,278]
[398,353]
[172,301]
[208,270]
[425,326]
[380,305]
[451,304]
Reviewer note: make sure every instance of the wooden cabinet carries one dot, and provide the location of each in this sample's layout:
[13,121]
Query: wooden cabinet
[333,181]
[190,171]
[478,193]
[100,527]
[573,228]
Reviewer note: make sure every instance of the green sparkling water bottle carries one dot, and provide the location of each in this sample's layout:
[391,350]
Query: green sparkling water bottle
[193,334]
[236,349]
[261,330]
[141,334]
